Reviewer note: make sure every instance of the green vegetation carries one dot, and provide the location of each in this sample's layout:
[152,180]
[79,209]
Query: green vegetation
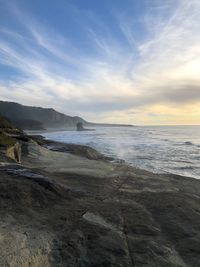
[6,141]
[5,124]
[7,127]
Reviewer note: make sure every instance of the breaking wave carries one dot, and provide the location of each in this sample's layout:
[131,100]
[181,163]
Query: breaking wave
[174,149]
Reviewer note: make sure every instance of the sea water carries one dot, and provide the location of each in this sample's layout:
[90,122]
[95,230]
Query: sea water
[160,149]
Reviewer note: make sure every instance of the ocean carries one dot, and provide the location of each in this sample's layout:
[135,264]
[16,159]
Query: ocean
[159,149]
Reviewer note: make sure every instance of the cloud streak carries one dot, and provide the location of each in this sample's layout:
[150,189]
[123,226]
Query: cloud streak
[120,71]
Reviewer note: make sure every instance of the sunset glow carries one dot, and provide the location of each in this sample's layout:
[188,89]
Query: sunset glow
[127,61]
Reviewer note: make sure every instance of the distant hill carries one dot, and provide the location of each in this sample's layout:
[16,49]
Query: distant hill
[5,124]
[37,118]
[29,124]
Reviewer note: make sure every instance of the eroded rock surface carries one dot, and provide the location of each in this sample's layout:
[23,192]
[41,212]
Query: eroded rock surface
[14,152]
[59,209]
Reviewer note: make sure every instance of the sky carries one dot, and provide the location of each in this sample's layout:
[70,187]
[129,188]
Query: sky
[117,61]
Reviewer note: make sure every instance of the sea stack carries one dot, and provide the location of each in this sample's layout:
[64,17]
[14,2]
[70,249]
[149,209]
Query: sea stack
[79,126]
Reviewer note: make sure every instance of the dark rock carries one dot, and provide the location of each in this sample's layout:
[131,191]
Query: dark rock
[79,150]
[130,218]
[37,118]
[79,126]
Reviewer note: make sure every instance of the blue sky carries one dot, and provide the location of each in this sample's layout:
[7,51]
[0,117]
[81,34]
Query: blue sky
[133,61]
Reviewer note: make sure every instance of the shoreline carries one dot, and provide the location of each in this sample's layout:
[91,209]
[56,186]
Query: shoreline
[114,158]
[71,206]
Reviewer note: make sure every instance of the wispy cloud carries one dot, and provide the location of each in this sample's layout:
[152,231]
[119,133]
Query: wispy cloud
[127,72]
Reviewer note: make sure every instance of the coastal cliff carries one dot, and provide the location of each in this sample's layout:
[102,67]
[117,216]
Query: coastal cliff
[61,207]
[37,118]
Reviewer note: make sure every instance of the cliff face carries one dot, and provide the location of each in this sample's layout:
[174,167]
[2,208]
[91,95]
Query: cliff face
[14,152]
[46,117]
[37,118]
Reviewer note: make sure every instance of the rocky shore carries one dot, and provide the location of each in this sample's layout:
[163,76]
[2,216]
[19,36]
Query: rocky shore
[69,205]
